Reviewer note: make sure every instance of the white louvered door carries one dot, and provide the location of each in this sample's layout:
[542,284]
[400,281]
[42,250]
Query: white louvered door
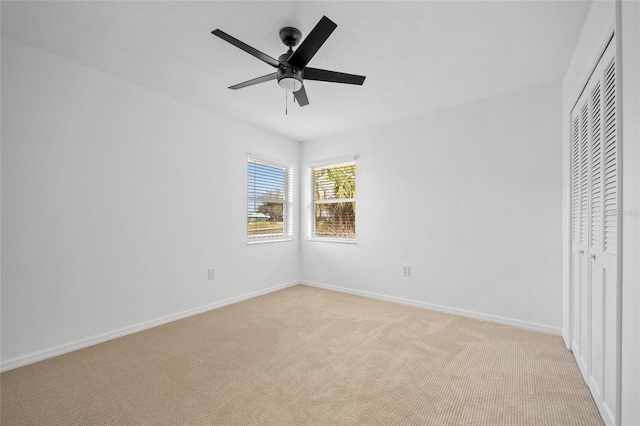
[594,204]
[580,202]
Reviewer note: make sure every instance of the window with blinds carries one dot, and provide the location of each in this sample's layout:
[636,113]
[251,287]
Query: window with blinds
[332,212]
[269,201]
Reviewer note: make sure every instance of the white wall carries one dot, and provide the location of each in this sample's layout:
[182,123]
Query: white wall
[629,17]
[603,17]
[115,202]
[469,198]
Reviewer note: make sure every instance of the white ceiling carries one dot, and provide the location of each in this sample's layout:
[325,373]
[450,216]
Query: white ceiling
[418,57]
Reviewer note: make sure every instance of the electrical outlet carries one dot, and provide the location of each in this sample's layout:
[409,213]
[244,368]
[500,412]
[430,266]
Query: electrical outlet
[212,274]
[406,271]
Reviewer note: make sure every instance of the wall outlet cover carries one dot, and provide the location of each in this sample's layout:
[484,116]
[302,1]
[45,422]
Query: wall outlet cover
[406,271]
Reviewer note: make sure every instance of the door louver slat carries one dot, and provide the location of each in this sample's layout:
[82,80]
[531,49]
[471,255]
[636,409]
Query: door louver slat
[596,170]
[584,143]
[575,182]
[611,162]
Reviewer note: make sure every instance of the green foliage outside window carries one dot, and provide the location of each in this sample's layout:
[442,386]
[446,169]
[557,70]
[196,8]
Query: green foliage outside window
[334,201]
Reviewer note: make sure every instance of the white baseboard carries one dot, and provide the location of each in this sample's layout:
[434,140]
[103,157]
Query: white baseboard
[90,341]
[83,343]
[565,337]
[461,312]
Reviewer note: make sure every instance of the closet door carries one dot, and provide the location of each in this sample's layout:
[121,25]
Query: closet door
[595,205]
[603,241]
[580,230]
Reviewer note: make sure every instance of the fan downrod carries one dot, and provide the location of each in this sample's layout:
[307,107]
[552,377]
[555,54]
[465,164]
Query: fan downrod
[290,36]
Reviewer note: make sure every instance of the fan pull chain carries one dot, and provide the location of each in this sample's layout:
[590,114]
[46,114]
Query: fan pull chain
[286,99]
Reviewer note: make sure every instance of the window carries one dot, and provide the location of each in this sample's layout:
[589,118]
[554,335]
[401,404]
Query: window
[332,213]
[269,201]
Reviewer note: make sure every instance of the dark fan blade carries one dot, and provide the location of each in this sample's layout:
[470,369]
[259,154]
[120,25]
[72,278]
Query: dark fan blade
[314,41]
[250,50]
[257,80]
[301,97]
[332,76]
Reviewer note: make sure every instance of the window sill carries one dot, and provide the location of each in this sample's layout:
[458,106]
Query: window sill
[274,240]
[333,240]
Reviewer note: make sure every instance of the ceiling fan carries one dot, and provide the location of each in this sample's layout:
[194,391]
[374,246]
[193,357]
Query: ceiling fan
[292,67]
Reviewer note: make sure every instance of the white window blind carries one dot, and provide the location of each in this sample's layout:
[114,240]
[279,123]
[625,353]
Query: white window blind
[332,192]
[269,201]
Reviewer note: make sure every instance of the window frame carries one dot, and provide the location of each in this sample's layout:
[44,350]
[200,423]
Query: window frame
[287,203]
[311,201]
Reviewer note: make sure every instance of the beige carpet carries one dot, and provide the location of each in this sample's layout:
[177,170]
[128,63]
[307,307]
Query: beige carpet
[305,356]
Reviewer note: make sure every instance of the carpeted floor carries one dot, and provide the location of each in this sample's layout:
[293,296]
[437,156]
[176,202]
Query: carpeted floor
[306,356]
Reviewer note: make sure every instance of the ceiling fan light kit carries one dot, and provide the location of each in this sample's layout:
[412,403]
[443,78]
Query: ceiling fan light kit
[290,79]
[291,66]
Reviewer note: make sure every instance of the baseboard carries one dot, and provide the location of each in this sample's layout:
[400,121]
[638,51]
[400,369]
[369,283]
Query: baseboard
[565,337]
[83,343]
[464,313]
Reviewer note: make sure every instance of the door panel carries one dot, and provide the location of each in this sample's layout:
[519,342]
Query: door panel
[575,305]
[609,398]
[598,281]
[611,344]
